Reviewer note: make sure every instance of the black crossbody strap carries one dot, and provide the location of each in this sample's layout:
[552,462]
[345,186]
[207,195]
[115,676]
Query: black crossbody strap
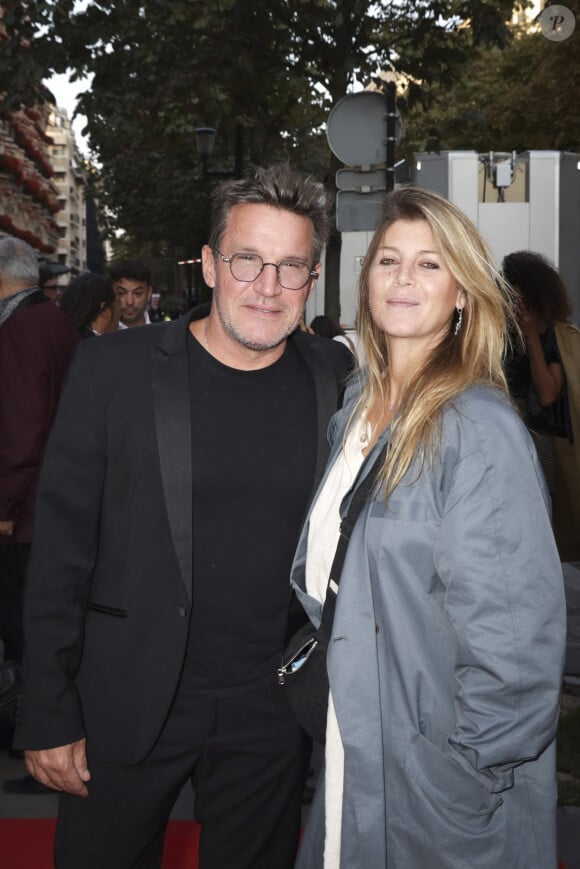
[359,498]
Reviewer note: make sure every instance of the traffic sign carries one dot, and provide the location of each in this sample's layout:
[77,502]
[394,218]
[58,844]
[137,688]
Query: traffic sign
[357,212]
[357,129]
[350,179]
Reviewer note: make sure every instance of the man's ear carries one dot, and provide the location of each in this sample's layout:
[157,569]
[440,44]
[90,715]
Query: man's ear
[208,265]
[310,286]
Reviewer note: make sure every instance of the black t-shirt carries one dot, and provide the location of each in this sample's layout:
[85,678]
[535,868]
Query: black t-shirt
[517,366]
[553,419]
[253,458]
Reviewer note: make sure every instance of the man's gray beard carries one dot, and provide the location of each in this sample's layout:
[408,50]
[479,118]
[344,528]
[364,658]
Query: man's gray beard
[233,333]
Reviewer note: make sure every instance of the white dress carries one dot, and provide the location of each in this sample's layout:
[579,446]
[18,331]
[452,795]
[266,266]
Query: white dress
[322,540]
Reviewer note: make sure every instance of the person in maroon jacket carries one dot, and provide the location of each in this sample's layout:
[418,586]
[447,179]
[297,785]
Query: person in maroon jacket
[36,344]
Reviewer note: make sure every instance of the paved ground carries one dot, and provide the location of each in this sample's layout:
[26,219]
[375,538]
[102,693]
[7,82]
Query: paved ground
[45,807]
[569,836]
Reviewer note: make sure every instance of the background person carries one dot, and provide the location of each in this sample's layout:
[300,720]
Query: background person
[177,476]
[36,344]
[91,303]
[132,283]
[446,654]
[536,376]
[547,399]
[48,282]
[328,328]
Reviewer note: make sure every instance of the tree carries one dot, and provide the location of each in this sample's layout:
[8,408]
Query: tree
[154,68]
[272,71]
[521,98]
[424,40]
[22,69]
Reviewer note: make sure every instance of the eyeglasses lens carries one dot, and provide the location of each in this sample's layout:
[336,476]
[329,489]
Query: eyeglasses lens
[291,276]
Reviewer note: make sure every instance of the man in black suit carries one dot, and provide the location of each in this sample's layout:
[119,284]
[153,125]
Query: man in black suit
[175,482]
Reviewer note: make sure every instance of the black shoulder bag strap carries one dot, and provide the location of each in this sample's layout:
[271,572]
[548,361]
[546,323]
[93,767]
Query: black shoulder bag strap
[306,639]
[359,498]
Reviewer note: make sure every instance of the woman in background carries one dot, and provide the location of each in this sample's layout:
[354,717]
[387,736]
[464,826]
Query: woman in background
[536,376]
[549,401]
[328,328]
[446,654]
[90,302]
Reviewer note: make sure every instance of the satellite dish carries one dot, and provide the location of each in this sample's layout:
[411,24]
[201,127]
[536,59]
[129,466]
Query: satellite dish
[357,129]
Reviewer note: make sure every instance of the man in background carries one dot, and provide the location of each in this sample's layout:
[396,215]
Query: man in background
[132,283]
[36,344]
[48,282]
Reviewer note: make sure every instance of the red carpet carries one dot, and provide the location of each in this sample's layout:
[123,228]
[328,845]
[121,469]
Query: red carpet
[27,844]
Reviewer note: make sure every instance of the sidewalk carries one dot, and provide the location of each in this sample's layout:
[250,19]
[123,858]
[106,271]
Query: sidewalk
[569,836]
[45,806]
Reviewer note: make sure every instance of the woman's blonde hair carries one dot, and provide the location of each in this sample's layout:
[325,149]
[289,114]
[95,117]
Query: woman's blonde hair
[472,356]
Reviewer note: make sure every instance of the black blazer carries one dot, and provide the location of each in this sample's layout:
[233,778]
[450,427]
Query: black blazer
[109,594]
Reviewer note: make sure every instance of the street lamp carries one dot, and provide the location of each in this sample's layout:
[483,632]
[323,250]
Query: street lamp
[204,141]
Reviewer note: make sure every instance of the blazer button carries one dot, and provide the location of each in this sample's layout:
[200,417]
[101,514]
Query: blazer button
[377,629]
[181,611]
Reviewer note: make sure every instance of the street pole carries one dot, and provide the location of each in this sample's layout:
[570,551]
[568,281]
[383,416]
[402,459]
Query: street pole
[191,282]
[390,91]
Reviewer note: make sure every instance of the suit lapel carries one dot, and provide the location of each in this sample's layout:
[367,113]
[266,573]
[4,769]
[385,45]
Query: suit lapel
[326,390]
[171,401]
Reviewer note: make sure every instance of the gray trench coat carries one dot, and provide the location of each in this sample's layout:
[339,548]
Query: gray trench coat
[446,658]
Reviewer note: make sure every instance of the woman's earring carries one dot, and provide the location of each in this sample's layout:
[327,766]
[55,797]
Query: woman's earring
[459,320]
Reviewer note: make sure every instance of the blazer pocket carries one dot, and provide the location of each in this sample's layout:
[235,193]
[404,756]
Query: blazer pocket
[107,610]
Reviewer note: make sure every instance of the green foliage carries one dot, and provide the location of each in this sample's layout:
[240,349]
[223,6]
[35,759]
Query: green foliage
[569,742]
[524,97]
[271,70]
[24,52]
[568,792]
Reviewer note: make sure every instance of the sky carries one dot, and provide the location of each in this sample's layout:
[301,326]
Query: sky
[65,94]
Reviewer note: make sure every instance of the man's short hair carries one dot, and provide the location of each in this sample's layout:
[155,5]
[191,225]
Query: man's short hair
[18,261]
[281,186]
[45,274]
[130,270]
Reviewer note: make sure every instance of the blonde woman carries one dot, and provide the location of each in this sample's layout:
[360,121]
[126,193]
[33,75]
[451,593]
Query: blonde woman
[448,637]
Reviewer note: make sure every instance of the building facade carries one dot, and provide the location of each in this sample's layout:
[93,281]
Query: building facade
[70,179]
[28,196]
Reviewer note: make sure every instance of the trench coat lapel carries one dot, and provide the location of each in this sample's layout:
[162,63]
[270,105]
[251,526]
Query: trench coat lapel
[171,401]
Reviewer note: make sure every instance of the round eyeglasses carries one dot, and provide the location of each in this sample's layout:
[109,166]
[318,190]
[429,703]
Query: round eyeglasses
[292,275]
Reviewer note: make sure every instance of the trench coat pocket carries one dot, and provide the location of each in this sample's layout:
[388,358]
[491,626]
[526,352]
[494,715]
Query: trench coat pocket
[404,510]
[445,782]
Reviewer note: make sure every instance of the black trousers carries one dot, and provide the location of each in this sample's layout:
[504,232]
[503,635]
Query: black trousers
[247,761]
[13,564]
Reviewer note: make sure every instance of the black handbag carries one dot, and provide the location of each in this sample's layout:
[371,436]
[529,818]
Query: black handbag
[302,672]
